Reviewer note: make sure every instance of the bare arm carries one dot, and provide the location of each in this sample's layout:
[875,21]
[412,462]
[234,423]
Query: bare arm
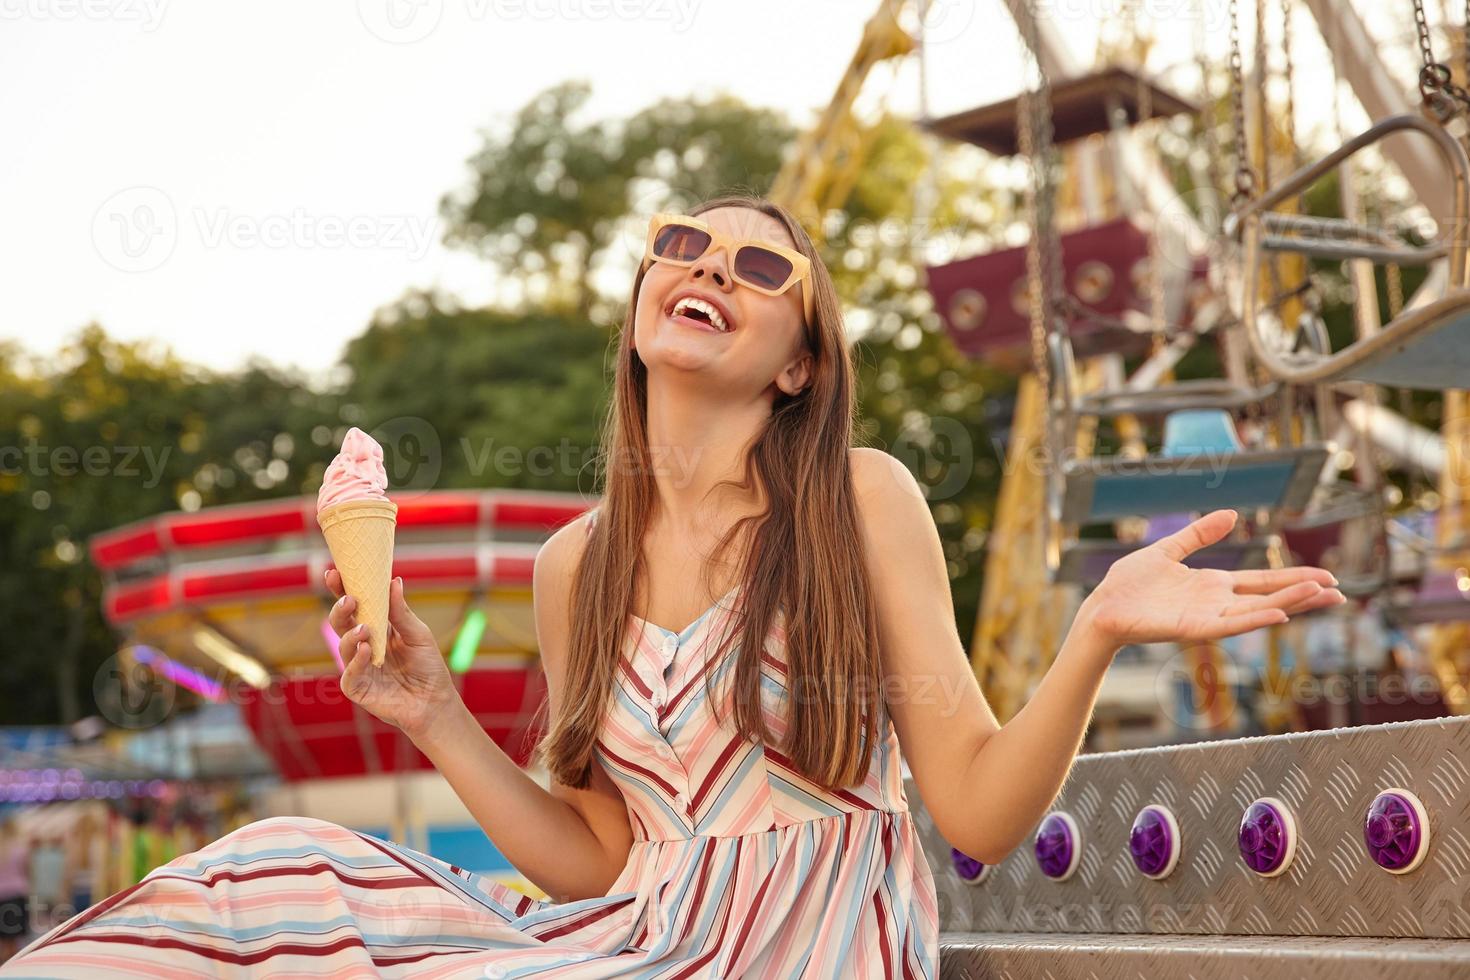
[571,843]
[987,785]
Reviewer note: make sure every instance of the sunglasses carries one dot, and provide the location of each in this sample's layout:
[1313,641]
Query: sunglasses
[766,268]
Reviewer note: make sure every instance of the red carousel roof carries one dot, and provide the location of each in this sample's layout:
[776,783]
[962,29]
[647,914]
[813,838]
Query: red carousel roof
[247,580]
[252,573]
[180,532]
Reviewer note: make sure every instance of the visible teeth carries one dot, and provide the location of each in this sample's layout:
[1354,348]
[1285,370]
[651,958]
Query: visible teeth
[689,302]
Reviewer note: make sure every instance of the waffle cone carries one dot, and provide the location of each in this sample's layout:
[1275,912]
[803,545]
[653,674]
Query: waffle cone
[359,534]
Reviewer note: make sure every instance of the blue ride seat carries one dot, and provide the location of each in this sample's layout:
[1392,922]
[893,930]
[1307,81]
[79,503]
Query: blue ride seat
[1201,467]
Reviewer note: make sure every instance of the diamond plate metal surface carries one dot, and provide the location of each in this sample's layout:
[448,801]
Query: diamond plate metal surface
[1332,887]
[1011,956]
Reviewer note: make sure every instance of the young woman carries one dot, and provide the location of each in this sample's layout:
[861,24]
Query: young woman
[736,649]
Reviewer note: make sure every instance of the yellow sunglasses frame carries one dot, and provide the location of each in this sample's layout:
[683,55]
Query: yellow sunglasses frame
[801,266]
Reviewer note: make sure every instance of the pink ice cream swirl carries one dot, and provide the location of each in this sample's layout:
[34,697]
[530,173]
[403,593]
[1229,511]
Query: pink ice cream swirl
[356,474]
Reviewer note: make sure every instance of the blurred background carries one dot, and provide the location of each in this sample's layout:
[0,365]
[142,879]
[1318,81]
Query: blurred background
[235,232]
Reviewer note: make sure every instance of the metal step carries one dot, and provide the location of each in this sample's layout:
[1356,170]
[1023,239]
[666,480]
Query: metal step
[1093,956]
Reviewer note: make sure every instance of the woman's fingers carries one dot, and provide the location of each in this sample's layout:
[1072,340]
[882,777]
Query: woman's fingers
[352,642]
[1299,598]
[342,616]
[402,619]
[1236,620]
[1198,534]
[354,678]
[1280,599]
[1246,622]
[1323,599]
[1266,580]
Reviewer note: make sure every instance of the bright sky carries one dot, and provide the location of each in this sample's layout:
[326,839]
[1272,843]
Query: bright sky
[257,179]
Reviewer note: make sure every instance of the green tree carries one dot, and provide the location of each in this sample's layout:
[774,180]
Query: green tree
[547,201]
[103,433]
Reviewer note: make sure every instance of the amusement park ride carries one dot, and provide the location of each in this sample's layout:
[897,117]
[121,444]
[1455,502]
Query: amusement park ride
[1353,845]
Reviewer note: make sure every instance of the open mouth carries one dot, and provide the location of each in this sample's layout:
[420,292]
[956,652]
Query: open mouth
[698,311]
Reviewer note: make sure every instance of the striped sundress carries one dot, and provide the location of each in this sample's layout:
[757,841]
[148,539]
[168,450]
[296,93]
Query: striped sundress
[740,867]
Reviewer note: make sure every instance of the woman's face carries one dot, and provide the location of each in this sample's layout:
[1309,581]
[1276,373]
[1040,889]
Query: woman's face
[765,344]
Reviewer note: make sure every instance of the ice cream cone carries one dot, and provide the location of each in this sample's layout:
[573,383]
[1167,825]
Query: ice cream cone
[359,534]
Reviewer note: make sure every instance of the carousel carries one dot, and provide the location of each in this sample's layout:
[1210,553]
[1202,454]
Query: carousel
[227,605]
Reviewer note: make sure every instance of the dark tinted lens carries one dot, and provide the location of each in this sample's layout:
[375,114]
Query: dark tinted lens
[680,243]
[762,267]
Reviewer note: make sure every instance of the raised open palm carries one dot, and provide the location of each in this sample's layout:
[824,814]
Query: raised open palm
[1151,596]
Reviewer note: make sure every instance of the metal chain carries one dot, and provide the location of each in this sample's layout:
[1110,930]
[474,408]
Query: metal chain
[1143,91]
[1290,75]
[1036,299]
[1441,96]
[1245,178]
[1207,100]
[1043,251]
[1395,290]
[1421,25]
[1264,128]
[1263,70]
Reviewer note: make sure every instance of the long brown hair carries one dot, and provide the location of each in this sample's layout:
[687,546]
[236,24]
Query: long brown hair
[805,558]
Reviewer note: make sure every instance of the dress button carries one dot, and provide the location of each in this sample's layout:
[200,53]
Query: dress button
[682,800]
[671,643]
[658,702]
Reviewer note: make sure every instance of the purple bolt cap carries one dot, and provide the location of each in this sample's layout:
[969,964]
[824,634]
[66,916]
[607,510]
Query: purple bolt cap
[965,866]
[1264,840]
[1055,847]
[1392,831]
[1151,842]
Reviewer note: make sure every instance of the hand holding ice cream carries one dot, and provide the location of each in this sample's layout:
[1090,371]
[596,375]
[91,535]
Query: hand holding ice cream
[358,521]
